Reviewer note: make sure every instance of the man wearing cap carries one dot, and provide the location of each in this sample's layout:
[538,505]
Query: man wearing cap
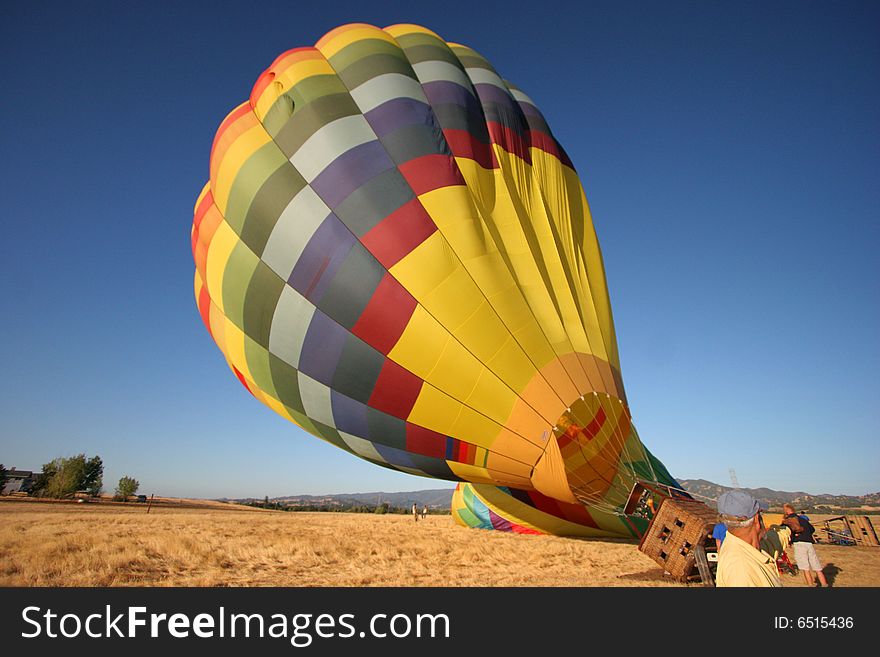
[741,562]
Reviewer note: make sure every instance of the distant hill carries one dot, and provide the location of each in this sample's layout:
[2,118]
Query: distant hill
[707,491]
[439,499]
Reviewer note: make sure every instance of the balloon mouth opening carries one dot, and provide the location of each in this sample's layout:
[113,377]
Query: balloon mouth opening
[592,436]
[587,419]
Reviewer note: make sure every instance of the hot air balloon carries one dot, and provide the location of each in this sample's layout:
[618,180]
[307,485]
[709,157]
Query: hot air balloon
[394,252]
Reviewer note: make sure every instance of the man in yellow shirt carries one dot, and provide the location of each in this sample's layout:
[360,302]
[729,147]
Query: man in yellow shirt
[741,562]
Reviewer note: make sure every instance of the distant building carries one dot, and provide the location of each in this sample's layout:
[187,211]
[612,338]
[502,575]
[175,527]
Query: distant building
[18,481]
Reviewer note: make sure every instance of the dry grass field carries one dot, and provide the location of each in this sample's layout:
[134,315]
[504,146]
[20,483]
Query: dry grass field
[48,544]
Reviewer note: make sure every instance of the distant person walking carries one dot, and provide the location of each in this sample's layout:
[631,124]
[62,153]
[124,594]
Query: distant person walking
[415,512]
[802,539]
[424,512]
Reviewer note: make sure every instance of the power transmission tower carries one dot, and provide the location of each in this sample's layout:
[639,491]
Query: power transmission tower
[733,480]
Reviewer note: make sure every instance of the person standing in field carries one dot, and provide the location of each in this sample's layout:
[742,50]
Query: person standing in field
[424,511]
[415,512]
[802,540]
[719,532]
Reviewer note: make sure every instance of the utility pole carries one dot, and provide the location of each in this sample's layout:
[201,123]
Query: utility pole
[733,479]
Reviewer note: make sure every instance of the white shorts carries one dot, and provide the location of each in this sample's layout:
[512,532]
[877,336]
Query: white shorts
[806,557]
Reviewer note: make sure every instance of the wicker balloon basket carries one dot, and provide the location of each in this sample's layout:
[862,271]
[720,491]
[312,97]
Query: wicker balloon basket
[676,538]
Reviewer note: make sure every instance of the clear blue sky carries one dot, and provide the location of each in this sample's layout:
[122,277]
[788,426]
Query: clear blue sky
[730,153]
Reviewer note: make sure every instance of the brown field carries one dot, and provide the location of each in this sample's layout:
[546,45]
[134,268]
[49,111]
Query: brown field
[56,544]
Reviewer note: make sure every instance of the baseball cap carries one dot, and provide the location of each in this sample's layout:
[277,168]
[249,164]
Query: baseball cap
[739,503]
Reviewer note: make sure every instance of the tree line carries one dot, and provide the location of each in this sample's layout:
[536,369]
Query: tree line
[342,507]
[65,477]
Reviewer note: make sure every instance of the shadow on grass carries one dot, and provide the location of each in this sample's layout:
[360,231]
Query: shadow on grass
[653,575]
[831,571]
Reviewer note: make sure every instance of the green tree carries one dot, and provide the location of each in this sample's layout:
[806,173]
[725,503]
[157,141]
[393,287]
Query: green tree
[127,486]
[2,476]
[41,483]
[93,475]
[63,477]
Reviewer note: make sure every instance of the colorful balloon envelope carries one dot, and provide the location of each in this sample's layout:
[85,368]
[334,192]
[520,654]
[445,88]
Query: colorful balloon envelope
[394,253]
